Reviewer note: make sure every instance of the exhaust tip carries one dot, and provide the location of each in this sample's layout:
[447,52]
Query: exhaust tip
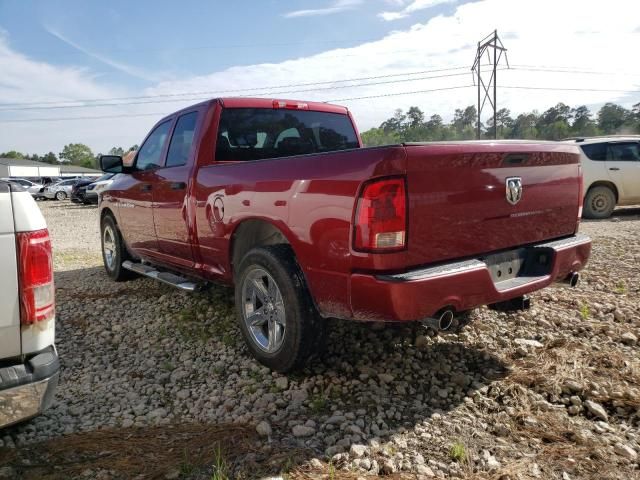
[572,279]
[445,320]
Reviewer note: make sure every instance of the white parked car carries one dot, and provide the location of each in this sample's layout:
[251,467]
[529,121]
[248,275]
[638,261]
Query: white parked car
[35,189]
[60,190]
[611,168]
[29,365]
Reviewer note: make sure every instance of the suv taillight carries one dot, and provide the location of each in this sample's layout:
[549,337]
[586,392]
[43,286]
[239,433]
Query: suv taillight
[35,276]
[381,216]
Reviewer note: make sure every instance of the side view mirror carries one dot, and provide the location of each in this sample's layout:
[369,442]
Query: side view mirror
[111,163]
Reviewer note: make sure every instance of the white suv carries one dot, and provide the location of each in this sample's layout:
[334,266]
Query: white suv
[611,168]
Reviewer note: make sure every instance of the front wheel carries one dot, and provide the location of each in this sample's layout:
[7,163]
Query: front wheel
[61,195]
[114,252]
[277,318]
[599,203]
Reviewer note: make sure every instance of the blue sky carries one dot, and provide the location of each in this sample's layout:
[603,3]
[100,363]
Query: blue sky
[154,41]
[71,50]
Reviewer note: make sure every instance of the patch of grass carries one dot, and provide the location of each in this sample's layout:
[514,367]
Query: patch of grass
[585,312]
[221,469]
[621,288]
[167,366]
[332,471]
[186,467]
[318,403]
[458,452]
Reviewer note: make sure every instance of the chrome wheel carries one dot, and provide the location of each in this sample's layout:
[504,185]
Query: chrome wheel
[263,310]
[109,246]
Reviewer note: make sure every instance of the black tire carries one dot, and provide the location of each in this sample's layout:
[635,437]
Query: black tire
[599,203]
[113,264]
[61,196]
[304,328]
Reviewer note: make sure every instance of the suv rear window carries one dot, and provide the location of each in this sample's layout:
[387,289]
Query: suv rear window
[258,133]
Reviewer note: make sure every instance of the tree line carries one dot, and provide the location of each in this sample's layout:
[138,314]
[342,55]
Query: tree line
[73,153]
[556,123]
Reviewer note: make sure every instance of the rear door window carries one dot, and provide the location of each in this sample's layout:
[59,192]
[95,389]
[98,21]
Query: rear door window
[258,133]
[182,140]
[150,154]
[623,152]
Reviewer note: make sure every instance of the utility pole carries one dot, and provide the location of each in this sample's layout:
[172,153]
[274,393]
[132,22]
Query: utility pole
[492,46]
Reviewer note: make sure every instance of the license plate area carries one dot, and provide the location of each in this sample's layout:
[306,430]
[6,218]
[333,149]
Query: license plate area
[520,265]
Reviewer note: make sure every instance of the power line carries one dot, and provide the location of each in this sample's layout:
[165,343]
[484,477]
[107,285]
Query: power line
[210,94]
[569,89]
[160,114]
[239,90]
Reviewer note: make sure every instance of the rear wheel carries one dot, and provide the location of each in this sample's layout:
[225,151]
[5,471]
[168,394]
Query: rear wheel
[599,203]
[277,318]
[114,253]
[61,195]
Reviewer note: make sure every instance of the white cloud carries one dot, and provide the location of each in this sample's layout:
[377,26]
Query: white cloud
[412,7]
[335,7]
[128,69]
[442,42]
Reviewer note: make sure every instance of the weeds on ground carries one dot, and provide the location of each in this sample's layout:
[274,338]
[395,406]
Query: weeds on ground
[585,312]
[221,470]
[457,452]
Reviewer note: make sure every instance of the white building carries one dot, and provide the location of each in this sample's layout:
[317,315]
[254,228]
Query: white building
[12,167]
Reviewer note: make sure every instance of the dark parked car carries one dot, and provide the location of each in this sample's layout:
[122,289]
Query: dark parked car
[79,190]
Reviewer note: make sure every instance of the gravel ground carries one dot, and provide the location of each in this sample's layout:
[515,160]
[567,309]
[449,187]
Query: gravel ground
[553,392]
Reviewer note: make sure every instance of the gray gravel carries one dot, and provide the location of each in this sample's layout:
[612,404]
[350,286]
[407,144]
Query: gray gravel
[553,392]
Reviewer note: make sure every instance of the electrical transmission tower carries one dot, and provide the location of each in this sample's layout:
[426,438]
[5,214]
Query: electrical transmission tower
[492,46]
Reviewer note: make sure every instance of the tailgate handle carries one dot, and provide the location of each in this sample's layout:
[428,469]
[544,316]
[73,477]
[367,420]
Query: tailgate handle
[515,158]
[615,169]
[145,187]
[178,185]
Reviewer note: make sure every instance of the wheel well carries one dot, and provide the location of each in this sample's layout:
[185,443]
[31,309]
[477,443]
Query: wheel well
[104,213]
[603,183]
[254,233]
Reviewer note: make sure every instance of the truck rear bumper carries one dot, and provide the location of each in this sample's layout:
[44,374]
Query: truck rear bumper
[419,294]
[26,389]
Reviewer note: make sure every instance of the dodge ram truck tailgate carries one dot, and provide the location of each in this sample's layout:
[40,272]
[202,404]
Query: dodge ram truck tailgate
[467,200]
[9,299]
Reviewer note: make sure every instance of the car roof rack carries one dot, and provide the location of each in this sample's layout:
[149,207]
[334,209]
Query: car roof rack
[582,139]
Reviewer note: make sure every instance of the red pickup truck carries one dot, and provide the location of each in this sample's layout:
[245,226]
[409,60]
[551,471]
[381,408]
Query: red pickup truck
[280,199]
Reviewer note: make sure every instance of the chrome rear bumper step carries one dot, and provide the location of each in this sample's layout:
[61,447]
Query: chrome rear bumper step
[165,277]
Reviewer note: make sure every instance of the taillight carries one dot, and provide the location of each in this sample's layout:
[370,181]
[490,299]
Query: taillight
[381,216]
[580,195]
[35,276]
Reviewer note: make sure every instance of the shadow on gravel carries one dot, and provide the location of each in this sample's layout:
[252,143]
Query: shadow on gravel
[369,385]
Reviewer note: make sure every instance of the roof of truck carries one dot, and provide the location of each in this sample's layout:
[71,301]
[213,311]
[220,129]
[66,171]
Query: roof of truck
[244,102]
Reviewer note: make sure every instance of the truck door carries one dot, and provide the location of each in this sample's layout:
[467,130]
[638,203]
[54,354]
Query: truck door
[623,168]
[136,213]
[170,194]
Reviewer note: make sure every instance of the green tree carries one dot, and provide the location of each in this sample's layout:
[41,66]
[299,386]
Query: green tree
[583,125]
[504,122]
[117,151]
[554,123]
[78,154]
[378,136]
[133,148]
[12,154]
[524,126]
[394,124]
[464,122]
[612,117]
[50,158]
